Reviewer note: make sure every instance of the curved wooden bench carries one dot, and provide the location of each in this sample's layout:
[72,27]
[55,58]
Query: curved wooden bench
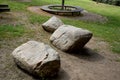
[47,8]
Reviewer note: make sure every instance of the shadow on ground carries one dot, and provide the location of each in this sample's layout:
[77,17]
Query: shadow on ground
[62,75]
[87,54]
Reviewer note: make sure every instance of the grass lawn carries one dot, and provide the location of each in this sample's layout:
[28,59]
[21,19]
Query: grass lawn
[108,31]
[11,31]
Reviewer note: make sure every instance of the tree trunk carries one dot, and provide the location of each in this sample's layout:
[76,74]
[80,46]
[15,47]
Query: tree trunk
[63,4]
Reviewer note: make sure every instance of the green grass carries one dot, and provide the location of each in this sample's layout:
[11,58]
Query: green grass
[9,31]
[35,18]
[108,31]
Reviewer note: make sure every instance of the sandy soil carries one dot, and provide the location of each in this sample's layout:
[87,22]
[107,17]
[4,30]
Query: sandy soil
[94,62]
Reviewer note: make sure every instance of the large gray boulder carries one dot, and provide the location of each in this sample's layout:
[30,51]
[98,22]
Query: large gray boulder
[37,58]
[52,24]
[70,38]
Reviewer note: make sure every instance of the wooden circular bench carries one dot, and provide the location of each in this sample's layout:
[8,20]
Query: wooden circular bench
[74,9]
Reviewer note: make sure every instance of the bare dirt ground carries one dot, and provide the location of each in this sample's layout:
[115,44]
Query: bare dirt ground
[86,16]
[94,62]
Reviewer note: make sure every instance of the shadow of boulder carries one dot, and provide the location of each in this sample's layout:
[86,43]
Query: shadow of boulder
[62,75]
[87,54]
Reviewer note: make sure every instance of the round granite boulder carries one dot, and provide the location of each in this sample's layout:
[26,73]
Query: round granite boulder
[37,58]
[52,24]
[70,38]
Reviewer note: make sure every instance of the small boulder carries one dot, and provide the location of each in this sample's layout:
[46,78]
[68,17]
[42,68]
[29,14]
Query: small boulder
[37,58]
[52,24]
[69,38]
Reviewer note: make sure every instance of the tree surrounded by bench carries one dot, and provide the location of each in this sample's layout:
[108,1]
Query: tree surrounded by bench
[63,9]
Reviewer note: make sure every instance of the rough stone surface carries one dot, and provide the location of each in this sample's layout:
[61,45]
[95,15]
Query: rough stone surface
[52,24]
[37,58]
[70,38]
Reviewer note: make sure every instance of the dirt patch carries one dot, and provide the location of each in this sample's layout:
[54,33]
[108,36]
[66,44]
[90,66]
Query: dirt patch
[94,62]
[86,16]
[13,18]
[7,18]
[91,17]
